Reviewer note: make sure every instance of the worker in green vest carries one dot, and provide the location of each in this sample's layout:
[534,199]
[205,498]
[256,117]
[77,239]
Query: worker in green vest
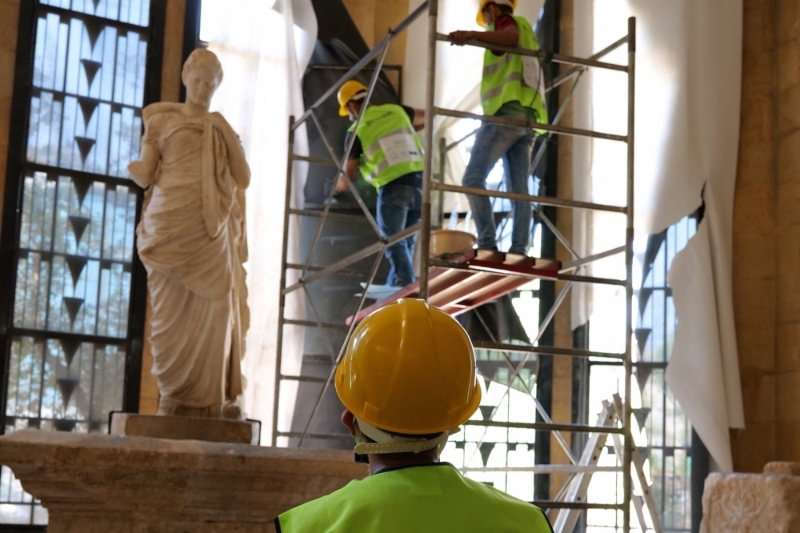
[407,380]
[511,87]
[388,153]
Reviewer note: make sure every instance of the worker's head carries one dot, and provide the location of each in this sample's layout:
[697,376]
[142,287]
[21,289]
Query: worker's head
[202,74]
[408,377]
[351,98]
[489,10]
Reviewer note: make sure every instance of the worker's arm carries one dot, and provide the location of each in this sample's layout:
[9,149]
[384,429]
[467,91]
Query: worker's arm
[350,168]
[419,119]
[508,36]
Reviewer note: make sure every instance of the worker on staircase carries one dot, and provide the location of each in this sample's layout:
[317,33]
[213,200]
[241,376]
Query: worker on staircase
[407,380]
[388,152]
[512,87]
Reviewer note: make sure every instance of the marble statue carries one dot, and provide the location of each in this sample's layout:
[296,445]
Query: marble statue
[193,243]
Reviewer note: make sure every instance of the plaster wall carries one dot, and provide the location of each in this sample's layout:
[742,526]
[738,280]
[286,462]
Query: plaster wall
[766,236]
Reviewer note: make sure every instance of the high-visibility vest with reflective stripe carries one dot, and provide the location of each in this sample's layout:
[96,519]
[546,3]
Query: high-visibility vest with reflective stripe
[504,77]
[391,146]
[424,498]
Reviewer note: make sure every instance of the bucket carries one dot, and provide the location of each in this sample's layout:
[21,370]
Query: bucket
[447,241]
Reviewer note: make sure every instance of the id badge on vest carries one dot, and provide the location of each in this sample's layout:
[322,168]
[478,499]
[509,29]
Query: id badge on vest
[400,148]
[532,73]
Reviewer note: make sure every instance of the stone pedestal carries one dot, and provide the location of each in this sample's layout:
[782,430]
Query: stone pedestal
[186,428]
[753,503]
[105,483]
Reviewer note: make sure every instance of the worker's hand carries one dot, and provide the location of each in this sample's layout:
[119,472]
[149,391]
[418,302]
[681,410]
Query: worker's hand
[460,38]
[341,184]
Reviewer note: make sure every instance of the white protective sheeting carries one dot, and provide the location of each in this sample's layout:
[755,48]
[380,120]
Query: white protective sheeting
[264,48]
[687,134]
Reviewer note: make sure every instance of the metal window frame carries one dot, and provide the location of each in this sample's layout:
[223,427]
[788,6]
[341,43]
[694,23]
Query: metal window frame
[12,204]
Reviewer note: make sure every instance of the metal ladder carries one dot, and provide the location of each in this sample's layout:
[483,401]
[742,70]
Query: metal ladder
[578,486]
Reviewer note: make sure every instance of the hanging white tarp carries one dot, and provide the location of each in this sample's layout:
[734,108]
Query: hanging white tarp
[688,88]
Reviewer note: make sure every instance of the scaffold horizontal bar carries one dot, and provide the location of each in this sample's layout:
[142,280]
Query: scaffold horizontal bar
[544,469]
[563,130]
[316,160]
[354,258]
[546,350]
[542,426]
[326,436]
[589,279]
[604,52]
[554,504]
[309,379]
[572,265]
[541,54]
[542,200]
[465,266]
[362,63]
[320,214]
[308,323]
[312,268]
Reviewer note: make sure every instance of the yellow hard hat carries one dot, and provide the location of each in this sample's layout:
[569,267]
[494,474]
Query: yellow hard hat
[480,20]
[347,92]
[409,368]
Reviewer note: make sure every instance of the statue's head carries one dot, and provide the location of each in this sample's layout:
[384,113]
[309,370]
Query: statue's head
[202,74]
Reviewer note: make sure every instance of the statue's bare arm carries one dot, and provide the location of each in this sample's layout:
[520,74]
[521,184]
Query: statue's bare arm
[143,171]
[160,107]
[240,170]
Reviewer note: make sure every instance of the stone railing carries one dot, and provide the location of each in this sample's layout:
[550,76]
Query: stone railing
[104,484]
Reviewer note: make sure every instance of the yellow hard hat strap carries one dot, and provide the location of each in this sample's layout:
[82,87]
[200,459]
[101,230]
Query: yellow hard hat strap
[387,443]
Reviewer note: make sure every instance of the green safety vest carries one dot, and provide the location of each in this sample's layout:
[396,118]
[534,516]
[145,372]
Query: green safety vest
[504,77]
[419,499]
[391,146]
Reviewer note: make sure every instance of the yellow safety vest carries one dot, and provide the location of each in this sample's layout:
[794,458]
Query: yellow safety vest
[420,499]
[391,146]
[504,77]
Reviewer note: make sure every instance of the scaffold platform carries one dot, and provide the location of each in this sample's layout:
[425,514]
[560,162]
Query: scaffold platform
[461,282]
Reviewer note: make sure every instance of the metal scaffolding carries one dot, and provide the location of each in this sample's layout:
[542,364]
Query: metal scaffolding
[433,189]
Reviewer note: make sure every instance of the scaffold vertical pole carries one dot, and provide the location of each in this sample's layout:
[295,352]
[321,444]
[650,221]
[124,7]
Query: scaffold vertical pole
[427,178]
[282,298]
[627,479]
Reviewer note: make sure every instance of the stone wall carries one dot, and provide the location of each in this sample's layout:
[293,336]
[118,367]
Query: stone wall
[766,236]
[9,22]
[374,18]
[561,410]
[170,92]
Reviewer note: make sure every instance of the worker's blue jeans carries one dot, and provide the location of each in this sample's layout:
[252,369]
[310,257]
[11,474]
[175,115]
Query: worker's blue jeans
[399,206]
[514,145]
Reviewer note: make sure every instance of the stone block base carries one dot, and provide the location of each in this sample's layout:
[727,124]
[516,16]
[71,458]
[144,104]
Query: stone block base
[104,483]
[186,428]
[753,503]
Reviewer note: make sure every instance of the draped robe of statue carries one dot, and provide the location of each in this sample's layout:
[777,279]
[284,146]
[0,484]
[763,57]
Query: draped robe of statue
[192,241]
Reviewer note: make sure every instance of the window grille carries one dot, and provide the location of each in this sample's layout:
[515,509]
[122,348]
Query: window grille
[68,347]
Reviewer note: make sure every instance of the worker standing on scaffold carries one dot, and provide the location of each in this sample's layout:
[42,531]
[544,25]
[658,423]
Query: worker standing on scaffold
[407,380]
[511,88]
[388,152]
